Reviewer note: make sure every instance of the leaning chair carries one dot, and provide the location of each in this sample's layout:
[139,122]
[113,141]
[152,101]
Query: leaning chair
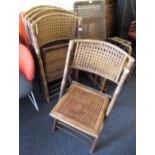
[83,109]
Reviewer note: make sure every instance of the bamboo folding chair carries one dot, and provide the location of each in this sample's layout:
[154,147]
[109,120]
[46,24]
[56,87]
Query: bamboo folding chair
[49,28]
[83,109]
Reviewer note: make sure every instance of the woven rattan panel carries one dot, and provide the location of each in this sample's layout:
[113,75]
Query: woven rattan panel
[99,57]
[56,27]
[83,106]
[88,10]
[92,23]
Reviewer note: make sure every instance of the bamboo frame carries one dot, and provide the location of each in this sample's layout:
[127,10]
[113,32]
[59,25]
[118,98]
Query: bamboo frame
[123,72]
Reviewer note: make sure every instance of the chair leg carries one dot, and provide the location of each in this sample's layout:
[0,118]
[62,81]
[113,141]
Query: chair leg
[93,146]
[33,100]
[54,125]
[103,85]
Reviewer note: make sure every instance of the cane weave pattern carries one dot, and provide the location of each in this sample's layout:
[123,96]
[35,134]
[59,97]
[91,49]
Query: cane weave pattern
[56,26]
[99,57]
[84,106]
[92,23]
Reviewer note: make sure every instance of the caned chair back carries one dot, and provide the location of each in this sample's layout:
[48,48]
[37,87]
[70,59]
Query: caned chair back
[55,26]
[42,13]
[101,58]
[30,13]
[92,13]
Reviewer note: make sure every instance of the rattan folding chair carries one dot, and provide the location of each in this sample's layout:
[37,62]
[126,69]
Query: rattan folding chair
[92,13]
[49,28]
[83,109]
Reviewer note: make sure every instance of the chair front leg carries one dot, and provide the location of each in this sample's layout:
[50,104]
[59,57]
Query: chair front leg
[93,146]
[54,125]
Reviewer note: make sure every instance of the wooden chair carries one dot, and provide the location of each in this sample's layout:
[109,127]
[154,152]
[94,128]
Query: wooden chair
[81,108]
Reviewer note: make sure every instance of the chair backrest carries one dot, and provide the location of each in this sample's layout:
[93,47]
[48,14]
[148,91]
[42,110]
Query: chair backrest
[54,26]
[44,12]
[28,12]
[32,11]
[100,58]
[47,11]
[92,13]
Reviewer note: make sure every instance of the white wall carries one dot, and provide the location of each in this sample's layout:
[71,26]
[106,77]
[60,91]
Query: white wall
[26,4]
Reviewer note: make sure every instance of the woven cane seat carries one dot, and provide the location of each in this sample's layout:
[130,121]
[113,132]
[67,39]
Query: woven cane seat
[82,108]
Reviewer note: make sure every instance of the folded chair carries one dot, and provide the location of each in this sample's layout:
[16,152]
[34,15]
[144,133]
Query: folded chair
[83,109]
[47,29]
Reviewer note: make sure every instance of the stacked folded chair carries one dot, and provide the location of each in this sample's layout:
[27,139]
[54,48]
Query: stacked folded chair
[49,30]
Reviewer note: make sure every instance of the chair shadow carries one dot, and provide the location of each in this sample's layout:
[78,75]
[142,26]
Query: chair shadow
[114,136]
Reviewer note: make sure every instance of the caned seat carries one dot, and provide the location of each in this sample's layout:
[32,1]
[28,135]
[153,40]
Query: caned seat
[82,109]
